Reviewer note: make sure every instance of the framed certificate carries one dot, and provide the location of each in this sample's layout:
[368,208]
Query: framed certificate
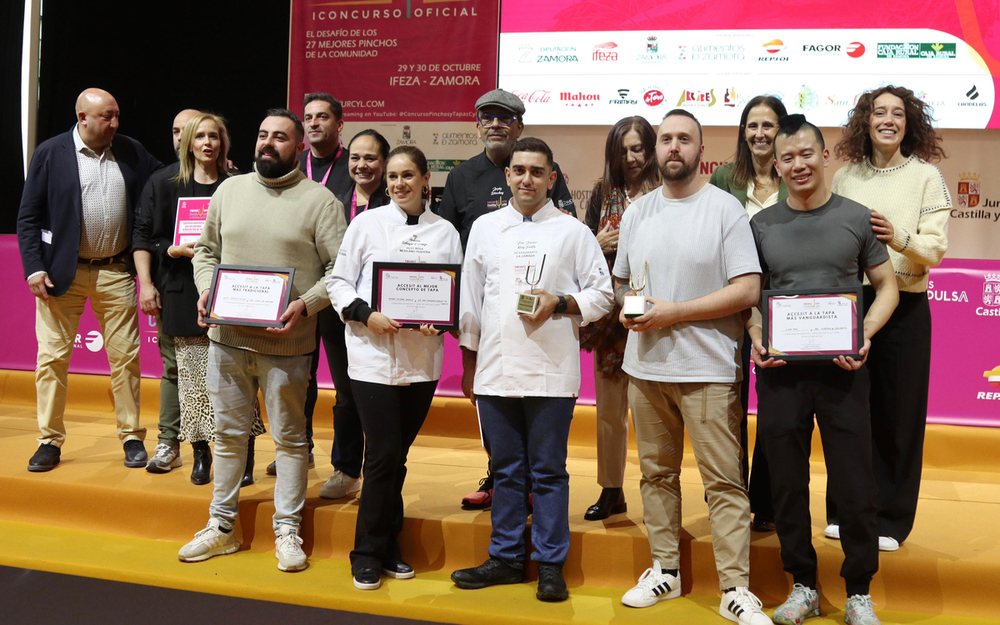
[191,215]
[249,296]
[813,324]
[416,293]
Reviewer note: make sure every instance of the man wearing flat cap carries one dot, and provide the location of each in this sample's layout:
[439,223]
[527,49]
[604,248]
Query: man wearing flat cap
[479,186]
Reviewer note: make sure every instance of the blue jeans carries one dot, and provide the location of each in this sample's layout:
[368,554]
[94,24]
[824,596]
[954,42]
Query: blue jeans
[529,434]
[234,376]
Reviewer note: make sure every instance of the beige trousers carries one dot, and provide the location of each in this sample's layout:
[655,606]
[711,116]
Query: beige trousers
[711,413]
[612,428]
[112,294]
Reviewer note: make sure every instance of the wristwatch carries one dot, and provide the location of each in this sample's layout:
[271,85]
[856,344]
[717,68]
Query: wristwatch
[561,306]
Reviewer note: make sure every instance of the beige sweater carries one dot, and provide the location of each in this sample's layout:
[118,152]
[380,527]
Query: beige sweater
[915,200]
[282,222]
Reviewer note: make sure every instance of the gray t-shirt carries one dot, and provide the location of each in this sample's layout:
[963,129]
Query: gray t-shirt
[694,247]
[826,247]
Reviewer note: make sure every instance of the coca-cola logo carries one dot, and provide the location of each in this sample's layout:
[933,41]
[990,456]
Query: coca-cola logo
[536,96]
[653,97]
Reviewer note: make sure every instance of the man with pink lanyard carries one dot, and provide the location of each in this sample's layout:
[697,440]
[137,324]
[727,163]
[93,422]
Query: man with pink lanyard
[326,162]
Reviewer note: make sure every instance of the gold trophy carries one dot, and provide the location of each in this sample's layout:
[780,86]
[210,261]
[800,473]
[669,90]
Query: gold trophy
[527,303]
[635,305]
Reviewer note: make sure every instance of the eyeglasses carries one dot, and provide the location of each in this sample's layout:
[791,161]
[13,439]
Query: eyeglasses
[505,119]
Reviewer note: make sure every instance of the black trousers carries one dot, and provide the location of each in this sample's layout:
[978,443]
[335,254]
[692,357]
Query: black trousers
[900,365]
[348,436]
[758,481]
[391,416]
[788,397]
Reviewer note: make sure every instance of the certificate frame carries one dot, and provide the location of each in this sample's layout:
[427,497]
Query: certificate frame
[284,297]
[182,215]
[452,271]
[853,295]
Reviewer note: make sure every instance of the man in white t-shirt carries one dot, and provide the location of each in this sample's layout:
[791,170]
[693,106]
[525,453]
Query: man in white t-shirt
[690,246]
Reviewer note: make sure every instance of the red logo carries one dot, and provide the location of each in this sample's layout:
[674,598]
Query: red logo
[855,49]
[774,46]
[538,95]
[653,97]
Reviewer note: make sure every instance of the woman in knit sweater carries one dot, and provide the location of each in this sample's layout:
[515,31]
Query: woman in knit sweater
[889,140]
[394,370]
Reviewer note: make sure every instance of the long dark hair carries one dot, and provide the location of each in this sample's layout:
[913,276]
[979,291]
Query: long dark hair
[614,150]
[920,137]
[743,171]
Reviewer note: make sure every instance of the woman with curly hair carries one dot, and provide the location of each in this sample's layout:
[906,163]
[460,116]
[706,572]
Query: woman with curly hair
[629,172]
[752,179]
[889,139]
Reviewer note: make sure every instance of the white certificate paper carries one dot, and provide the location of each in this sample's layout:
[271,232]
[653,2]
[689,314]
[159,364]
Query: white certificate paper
[244,296]
[417,296]
[812,324]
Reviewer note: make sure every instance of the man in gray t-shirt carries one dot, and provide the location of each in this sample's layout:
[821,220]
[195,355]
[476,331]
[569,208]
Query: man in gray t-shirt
[691,245]
[817,240]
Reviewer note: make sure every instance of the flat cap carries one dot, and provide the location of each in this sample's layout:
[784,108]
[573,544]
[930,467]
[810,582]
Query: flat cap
[503,99]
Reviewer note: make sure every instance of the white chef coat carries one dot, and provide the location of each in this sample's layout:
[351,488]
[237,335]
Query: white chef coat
[518,358]
[382,234]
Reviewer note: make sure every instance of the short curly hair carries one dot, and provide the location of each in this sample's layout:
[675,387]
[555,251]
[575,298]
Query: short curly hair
[920,137]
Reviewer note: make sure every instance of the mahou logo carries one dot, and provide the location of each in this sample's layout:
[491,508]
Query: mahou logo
[579,99]
[653,97]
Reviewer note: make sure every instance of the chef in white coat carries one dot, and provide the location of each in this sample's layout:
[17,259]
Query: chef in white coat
[394,370]
[523,368]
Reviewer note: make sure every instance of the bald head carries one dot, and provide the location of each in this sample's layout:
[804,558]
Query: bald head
[97,116]
[180,121]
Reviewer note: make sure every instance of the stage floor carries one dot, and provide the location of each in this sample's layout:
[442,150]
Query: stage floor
[92,517]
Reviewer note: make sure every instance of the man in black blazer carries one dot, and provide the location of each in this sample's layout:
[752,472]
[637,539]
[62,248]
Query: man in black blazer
[74,232]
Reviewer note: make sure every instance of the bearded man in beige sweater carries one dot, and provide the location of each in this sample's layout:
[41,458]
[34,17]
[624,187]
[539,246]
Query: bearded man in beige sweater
[274,217]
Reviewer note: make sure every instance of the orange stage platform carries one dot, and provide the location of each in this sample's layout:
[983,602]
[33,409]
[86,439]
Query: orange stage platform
[92,517]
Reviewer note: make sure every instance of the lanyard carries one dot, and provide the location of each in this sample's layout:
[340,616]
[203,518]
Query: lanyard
[354,203]
[309,164]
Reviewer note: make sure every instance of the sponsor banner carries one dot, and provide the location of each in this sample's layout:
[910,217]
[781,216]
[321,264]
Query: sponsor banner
[374,56]
[597,77]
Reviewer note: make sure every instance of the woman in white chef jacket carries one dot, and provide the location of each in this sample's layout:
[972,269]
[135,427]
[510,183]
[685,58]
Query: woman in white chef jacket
[394,371]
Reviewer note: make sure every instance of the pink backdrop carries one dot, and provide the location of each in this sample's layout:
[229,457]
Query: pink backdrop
[965,306]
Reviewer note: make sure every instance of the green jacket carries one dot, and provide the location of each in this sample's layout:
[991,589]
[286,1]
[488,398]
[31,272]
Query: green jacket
[720,178]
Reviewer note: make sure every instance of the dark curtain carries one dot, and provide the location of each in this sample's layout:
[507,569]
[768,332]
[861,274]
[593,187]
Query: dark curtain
[224,56]
[11,156]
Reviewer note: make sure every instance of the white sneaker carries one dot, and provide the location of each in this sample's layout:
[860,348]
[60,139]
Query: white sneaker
[888,543]
[832,531]
[209,542]
[860,611]
[741,606]
[165,458]
[339,485]
[803,603]
[654,585]
[288,549]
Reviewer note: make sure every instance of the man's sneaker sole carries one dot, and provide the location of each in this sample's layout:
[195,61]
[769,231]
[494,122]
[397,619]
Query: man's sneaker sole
[225,550]
[783,621]
[398,575]
[158,468]
[673,594]
[293,568]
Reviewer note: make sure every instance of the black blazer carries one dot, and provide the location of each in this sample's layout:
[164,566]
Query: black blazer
[379,198]
[154,232]
[51,201]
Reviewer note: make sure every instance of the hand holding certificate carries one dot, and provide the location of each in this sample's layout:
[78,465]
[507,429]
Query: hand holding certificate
[417,294]
[250,296]
[191,215]
[813,324]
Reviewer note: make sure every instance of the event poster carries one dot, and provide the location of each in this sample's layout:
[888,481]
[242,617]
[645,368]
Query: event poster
[395,60]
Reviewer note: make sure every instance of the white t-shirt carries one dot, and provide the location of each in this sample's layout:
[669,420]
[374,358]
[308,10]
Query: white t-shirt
[694,247]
